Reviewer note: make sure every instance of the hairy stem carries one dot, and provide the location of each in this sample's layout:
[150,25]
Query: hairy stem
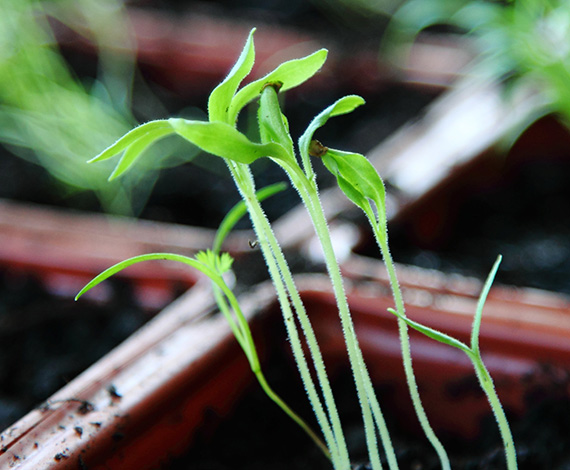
[382,240]
[369,405]
[488,386]
[285,287]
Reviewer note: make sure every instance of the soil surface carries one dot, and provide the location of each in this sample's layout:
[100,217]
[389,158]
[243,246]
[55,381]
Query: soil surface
[48,340]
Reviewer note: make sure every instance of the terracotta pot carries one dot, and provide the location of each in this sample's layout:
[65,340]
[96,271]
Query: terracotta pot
[66,249]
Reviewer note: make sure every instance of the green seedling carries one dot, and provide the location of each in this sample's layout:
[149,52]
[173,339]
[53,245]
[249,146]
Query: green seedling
[520,43]
[474,354]
[361,183]
[214,266]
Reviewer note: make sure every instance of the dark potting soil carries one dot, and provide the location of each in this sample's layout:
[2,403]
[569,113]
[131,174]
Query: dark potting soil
[48,340]
[258,436]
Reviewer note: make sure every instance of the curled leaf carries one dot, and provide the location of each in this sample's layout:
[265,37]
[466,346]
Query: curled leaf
[358,179]
[344,105]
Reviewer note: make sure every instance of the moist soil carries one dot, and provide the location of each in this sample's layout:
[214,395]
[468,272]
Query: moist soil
[47,340]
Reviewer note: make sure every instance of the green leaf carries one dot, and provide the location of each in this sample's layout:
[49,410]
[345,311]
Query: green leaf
[291,74]
[220,263]
[433,334]
[221,97]
[481,303]
[344,105]
[273,126]
[239,210]
[149,128]
[200,266]
[134,150]
[358,179]
[224,140]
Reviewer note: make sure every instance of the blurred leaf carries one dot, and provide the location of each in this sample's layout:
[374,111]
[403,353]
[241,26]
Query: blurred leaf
[239,210]
[135,149]
[144,130]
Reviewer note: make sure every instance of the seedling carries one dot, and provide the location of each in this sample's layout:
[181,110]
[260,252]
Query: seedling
[522,43]
[359,181]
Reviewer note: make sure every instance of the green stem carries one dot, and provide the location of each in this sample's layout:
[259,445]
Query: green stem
[382,241]
[369,405]
[488,386]
[284,284]
[296,418]
[245,340]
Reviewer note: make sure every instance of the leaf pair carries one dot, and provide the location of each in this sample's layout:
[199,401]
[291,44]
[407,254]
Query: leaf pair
[473,350]
[219,136]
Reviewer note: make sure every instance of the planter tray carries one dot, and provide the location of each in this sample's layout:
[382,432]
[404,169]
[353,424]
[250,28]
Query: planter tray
[146,399]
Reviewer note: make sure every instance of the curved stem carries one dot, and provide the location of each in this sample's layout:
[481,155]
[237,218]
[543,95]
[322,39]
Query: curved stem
[245,340]
[382,241]
[284,284]
[488,386]
[369,405]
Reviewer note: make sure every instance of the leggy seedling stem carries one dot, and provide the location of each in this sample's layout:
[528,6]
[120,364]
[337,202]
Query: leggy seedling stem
[382,240]
[474,354]
[273,127]
[286,289]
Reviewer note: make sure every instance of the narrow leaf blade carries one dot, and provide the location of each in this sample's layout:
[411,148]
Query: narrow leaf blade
[291,74]
[134,150]
[344,105]
[238,211]
[481,303]
[147,257]
[129,138]
[221,97]
[433,334]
